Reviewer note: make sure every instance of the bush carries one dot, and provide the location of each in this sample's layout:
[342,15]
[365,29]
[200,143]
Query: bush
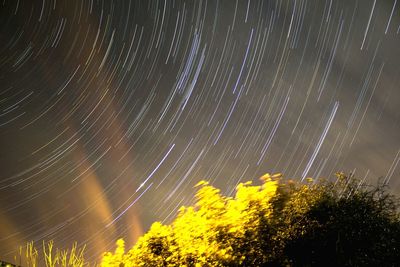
[275,224]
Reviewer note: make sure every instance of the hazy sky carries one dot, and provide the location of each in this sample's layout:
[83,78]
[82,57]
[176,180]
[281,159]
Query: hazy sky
[111,111]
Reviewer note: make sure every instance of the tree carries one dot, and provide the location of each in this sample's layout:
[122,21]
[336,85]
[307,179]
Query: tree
[347,226]
[277,223]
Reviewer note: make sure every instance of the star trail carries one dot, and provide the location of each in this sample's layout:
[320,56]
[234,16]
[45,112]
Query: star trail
[111,111]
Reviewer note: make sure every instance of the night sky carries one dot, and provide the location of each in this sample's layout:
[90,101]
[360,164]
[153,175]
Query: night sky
[111,111]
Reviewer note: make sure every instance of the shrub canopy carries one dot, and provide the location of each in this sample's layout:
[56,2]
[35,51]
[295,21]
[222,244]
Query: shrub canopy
[277,223]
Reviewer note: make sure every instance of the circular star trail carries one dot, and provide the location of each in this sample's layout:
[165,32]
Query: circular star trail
[111,111]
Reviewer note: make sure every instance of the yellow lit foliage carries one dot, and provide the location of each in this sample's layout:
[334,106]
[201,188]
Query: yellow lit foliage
[275,224]
[209,234]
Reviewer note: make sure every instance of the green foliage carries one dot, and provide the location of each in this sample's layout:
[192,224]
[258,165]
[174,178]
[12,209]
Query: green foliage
[275,224]
[349,225]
